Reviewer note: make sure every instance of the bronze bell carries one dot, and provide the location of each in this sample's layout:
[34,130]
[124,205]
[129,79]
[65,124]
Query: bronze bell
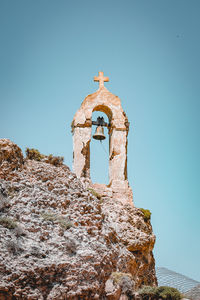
[99,134]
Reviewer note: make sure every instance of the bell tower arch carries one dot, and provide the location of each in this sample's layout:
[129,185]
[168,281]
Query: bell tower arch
[118,127]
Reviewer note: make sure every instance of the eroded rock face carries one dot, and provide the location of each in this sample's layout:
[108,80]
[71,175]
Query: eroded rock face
[11,157]
[61,241]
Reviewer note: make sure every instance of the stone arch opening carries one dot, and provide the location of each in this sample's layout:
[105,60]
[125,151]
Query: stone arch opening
[99,153]
[104,109]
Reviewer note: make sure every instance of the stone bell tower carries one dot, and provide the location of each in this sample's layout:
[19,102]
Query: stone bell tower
[104,101]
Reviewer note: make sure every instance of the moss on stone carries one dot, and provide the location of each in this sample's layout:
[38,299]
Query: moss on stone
[8,222]
[117,276]
[146,213]
[94,193]
[64,222]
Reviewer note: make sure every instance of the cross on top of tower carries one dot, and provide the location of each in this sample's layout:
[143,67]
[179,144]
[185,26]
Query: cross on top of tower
[101,79]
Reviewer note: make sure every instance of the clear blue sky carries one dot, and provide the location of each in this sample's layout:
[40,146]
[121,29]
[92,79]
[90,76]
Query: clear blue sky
[150,49]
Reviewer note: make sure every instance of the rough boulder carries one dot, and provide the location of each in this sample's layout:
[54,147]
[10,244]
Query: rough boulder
[11,157]
[60,240]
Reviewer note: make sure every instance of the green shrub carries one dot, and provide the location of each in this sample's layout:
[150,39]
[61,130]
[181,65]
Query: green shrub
[146,213]
[34,154]
[49,217]
[147,291]
[162,292]
[64,222]
[94,193]
[54,160]
[168,293]
[8,222]
[50,159]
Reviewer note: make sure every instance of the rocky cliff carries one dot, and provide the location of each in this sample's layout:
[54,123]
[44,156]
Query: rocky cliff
[60,240]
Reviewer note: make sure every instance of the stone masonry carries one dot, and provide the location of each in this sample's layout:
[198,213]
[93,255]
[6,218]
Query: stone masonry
[104,101]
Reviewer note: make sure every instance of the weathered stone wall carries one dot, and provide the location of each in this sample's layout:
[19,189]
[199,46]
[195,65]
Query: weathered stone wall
[81,142]
[106,102]
[117,159]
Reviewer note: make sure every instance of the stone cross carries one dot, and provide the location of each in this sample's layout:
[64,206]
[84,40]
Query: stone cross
[101,79]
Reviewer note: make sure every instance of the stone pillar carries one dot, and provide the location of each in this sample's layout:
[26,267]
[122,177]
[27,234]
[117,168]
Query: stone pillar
[118,158]
[81,154]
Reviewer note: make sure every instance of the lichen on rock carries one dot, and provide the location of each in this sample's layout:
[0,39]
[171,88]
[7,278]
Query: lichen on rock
[66,243]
